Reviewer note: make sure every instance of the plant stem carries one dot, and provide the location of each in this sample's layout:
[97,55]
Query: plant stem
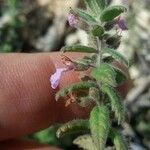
[99,48]
[99,61]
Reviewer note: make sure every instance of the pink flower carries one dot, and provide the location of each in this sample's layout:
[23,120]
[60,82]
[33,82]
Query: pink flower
[55,78]
[72,19]
[122,24]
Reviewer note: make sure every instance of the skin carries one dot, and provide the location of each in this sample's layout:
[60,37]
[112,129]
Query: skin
[27,102]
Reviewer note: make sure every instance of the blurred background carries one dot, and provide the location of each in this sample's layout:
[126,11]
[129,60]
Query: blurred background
[41,26]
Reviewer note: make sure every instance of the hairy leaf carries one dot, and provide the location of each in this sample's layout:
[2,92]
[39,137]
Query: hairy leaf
[118,140]
[83,64]
[73,126]
[76,86]
[120,76]
[101,4]
[92,4]
[85,16]
[113,41]
[79,48]
[112,12]
[97,31]
[116,102]
[116,55]
[109,25]
[85,142]
[105,73]
[108,59]
[99,125]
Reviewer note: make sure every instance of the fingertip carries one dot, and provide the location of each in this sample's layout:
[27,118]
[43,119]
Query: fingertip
[26,97]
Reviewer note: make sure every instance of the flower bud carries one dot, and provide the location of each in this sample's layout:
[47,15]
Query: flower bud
[72,19]
[122,24]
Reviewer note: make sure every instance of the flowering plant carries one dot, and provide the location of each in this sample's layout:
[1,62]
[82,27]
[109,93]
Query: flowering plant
[104,25]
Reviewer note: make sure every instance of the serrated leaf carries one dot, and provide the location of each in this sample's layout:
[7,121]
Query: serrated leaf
[97,31]
[85,142]
[116,102]
[79,48]
[105,73]
[116,55]
[100,125]
[118,140]
[74,126]
[112,12]
[85,16]
[101,4]
[76,86]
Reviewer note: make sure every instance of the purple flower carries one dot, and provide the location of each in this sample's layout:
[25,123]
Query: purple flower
[55,78]
[72,19]
[122,24]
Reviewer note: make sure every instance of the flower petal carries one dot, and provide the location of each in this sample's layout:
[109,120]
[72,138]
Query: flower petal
[55,78]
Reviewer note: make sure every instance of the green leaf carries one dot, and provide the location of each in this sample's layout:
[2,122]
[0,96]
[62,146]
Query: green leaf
[101,4]
[108,59]
[85,16]
[113,41]
[85,142]
[105,73]
[97,31]
[118,140]
[74,126]
[120,76]
[79,48]
[83,64]
[116,102]
[81,67]
[109,25]
[112,12]
[100,125]
[116,55]
[76,86]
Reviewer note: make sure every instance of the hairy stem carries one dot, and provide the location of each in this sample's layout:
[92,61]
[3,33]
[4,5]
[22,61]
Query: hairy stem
[99,61]
[99,48]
